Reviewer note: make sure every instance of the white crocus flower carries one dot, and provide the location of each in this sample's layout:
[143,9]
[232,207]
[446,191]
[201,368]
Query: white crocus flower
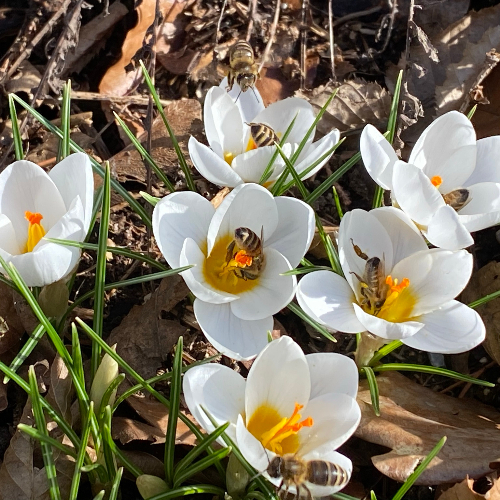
[450,186]
[34,204]
[411,299]
[235,313]
[289,404]
[233,157]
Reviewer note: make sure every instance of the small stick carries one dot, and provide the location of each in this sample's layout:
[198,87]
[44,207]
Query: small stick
[272,34]
[332,48]
[252,10]
[303,45]
[215,54]
[137,100]
[392,18]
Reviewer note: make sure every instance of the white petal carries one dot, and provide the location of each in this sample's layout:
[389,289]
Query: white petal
[191,255]
[378,156]
[295,230]
[220,390]
[480,221]
[8,240]
[250,103]
[179,216]
[279,377]
[436,276]
[234,337]
[445,230]
[50,262]
[405,236]
[335,418]
[280,114]
[328,298]
[487,163]
[247,205]
[483,209]
[73,177]
[315,152]
[211,166]
[228,124]
[251,165]
[332,372]
[415,193]
[370,236]
[447,147]
[252,448]
[272,293]
[452,329]
[25,186]
[385,329]
[210,130]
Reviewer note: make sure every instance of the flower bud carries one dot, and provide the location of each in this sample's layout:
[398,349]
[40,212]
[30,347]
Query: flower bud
[104,376]
[150,486]
[53,299]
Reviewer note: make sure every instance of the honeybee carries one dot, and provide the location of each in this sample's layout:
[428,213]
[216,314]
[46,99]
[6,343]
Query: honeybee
[248,247]
[262,134]
[457,199]
[242,66]
[297,472]
[373,286]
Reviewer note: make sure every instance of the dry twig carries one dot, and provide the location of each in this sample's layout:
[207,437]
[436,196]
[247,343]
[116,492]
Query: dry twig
[272,34]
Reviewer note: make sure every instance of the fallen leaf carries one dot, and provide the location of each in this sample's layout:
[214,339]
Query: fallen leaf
[26,79]
[11,327]
[317,248]
[61,389]
[486,119]
[127,429]
[414,418]
[465,491]
[148,463]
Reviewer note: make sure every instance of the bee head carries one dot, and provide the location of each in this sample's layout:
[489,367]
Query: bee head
[274,467]
[246,81]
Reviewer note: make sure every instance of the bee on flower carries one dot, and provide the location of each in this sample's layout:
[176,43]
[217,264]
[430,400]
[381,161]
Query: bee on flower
[450,185]
[291,405]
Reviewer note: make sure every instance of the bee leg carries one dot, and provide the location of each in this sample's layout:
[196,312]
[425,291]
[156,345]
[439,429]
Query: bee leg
[229,251]
[309,494]
[230,81]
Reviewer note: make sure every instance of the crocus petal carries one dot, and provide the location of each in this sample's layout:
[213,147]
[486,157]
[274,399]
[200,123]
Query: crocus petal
[251,165]
[192,255]
[248,205]
[218,389]
[50,262]
[210,130]
[446,230]
[436,276]
[415,193]
[332,372]
[483,209]
[211,166]
[335,418]
[370,236]
[451,329]
[385,329]
[73,177]
[272,293]
[234,337]
[295,230]
[447,147]
[250,103]
[279,378]
[487,167]
[25,186]
[378,156]
[8,240]
[405,236]
[179,216]
[315,152]
[328,298]
[280,114]
[251,448]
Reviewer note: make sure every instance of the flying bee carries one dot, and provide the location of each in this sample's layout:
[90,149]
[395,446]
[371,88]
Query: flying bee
[457,198]
[373,286]
[251,248]
[242,67]
[262,134]
[295,471]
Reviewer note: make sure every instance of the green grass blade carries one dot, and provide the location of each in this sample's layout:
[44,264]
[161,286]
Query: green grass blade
[43,438]
[310,321]
[432,370]
[180,156]
[145,155]
[343,496]
[393,114]
[175,399]
[384,351]
[290,169]
[116,483]
[107,448]
[41,424]
[470,114]
[100,495]
[76,354]
[183,491]
[485,299]
[108,393]
[330,249]
[378,197]
[338,206]
[64,148]
[16,133]
[96,208]
[100,272]
[152,200]
[305,270]
[373,386]
[416,473]
[372,495]
[136,207]
[26,350]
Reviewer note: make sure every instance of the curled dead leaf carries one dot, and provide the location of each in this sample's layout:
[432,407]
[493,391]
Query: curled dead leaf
[466,490]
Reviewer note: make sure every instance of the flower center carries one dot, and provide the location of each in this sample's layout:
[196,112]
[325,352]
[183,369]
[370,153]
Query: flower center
[436,181]
[224,271]
[276,433]
[35,230]
[229,157]
[399,301]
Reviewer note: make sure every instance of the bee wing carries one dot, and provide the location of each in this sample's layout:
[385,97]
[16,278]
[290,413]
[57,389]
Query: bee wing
[262,236]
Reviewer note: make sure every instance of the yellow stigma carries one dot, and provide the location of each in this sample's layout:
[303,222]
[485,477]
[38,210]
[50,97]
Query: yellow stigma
[218,272]
[436,181]
[399,303]
[276,433]
[35,230]
[229,157]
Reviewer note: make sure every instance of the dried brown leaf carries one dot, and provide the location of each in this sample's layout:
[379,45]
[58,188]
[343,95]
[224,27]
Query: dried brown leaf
[127,429]
[465,491]
[11,327]
[414,418]
[148,463]
[61,389]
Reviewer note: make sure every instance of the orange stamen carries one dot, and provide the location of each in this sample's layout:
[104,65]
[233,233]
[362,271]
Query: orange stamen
[436,181]
[33,218]
[251,144]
